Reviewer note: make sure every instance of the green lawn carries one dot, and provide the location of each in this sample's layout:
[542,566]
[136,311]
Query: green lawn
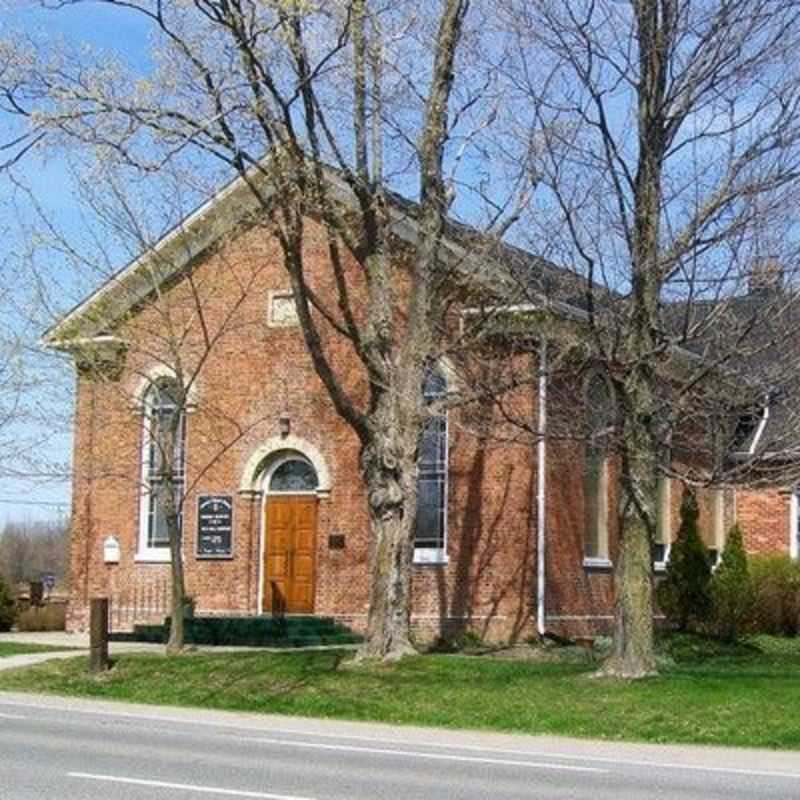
[18,649]
[739,696]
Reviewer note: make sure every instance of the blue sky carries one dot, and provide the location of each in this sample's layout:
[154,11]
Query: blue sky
[50,181]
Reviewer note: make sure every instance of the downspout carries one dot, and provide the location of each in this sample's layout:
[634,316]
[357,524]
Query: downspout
[541,480]
[89,499]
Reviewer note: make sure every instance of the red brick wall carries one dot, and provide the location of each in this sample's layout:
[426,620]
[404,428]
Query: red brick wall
[256,372]
[764,517]
[252,375]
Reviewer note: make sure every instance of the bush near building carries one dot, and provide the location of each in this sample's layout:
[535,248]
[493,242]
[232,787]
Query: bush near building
[776,595]
[731,589]
[48,617]
[684,595]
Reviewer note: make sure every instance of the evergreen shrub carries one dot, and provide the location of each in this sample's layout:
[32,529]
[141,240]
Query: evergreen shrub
[732,589]
[684,595]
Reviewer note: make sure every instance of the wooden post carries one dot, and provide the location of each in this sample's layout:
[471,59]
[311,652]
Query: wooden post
[98,635]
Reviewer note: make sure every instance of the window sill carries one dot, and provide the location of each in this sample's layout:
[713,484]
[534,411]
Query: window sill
[597,563]
[659,566]
[431,556]
[152,557]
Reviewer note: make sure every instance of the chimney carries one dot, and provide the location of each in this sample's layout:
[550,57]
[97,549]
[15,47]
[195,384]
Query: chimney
[766,277]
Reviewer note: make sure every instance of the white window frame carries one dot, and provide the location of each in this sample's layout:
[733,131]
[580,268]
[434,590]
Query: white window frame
[794,525]
[144,553]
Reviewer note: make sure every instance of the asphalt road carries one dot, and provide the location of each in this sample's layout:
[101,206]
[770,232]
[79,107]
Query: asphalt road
[86,750]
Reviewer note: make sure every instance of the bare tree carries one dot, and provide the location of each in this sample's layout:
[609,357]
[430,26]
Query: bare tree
[30,547]
[665,136]
[321,110]
[29,436]
[160,324]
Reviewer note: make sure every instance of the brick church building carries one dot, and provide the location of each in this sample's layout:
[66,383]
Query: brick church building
[511,536]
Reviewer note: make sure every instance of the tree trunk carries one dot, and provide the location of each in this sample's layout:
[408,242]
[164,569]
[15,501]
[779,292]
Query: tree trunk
[177,638]
[388,626]
[633,654]
[391,485]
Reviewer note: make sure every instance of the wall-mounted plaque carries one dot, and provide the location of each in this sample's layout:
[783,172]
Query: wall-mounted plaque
[215,526]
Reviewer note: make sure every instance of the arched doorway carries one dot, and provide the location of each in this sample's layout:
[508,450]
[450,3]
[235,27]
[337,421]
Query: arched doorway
[290,535]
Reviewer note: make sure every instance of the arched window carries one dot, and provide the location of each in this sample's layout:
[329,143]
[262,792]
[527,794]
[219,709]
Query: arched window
[430,532]
[294,475]
[599,417]
[163,464]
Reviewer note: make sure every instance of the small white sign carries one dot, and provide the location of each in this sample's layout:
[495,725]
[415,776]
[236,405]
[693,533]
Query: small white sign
[111,551]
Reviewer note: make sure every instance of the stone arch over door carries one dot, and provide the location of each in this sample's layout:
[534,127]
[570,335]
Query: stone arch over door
[264,458]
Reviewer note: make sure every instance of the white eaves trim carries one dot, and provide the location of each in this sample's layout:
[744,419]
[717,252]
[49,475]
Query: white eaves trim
[759,435]
[81,342]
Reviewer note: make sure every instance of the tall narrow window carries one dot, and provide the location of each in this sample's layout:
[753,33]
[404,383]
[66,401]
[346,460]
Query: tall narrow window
[430,533]
[717,542]
[663,521]
[164,431]
[599,415]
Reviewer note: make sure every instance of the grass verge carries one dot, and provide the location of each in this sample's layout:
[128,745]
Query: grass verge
[19,649]
[706,694]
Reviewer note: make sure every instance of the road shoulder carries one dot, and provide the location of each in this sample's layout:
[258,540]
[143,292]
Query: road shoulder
[715,759]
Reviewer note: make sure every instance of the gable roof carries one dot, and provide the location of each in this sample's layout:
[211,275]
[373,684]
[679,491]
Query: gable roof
[543,284]
[556,287]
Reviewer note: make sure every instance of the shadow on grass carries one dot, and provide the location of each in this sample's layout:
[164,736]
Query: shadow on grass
[245,675]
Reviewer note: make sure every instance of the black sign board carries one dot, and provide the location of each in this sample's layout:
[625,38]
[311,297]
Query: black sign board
[215,526]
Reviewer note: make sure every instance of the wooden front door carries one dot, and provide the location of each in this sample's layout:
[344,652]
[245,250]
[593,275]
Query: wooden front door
[289,554]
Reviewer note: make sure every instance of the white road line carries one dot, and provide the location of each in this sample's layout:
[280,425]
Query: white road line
[222,725]
[11,716]
[754,773]
[186,787]
[385,751]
